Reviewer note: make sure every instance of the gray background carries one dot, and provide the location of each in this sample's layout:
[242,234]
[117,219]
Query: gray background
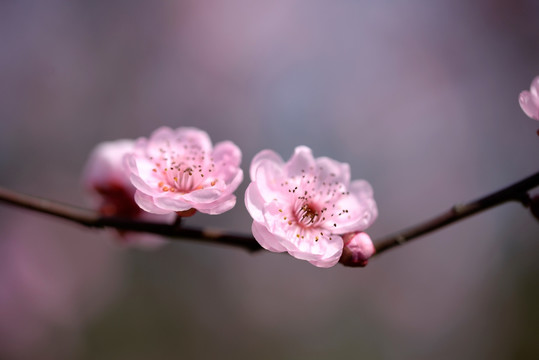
[420,97]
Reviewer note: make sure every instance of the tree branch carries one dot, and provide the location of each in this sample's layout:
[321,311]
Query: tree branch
[93,219]
[516,192]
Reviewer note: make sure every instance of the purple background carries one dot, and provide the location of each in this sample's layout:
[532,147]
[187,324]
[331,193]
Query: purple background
[419,97]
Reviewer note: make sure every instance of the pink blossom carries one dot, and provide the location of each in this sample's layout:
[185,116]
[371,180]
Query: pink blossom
[179,170]
[106,178]
[358,248]
[305,205]
[529,100]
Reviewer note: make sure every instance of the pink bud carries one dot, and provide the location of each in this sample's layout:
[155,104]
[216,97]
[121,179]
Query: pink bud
[358,248]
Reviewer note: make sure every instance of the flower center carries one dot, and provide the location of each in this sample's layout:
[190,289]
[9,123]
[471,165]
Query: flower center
[181,180]
[306,215]
[314,203]
[183,170]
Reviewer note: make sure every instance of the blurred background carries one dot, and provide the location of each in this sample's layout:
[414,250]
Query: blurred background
[419,97]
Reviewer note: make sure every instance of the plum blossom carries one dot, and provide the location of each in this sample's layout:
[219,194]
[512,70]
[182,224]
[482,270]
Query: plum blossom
[306,205]
[358,248]
[529,100]
[105,176]
[179,171]
[107,180]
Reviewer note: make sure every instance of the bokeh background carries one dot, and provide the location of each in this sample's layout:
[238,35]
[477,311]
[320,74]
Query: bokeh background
[420,97]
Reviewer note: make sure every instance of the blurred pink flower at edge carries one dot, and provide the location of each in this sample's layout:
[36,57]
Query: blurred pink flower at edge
[529,100]
[107,181]
[305,205]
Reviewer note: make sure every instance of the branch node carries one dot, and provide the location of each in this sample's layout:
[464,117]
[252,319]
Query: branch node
[212,234]
[401,239]
[458,209]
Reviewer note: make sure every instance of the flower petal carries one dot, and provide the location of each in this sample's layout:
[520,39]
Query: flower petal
[105,164]
[233,185]
[228,152]
[266,239]
[130,163]
[263,157]
[354,212]
[301,161]
[202,196]
[277,220]
[254,202]
[529,105]
[321,253]
[146,203]
[194,136]
[330,170]
[218,207]
[161,134]
[534,89]
[360,215]
[142,186]
[361,189]
[268,179]
[172,203]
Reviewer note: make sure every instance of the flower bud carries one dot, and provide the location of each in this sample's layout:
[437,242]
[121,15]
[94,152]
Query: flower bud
[358,248]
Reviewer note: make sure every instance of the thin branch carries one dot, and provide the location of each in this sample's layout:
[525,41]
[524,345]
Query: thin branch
[93,219]
[516,192]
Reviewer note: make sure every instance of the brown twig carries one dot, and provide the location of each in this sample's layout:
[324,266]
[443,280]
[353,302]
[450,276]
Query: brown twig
[91,218]
[516,192]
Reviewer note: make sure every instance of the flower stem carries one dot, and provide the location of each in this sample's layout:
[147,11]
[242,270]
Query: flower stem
[516,192]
